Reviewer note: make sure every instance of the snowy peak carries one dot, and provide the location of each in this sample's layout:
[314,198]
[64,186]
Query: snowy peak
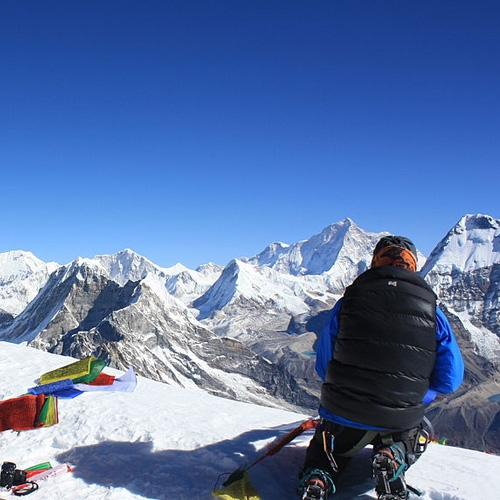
[19,264]
[64,303]
[464,270]
[209,269]
[22,275]
[341,249]
[248,300]
[473,244]
[235,277]
[270,255]
[187,285]
[80,268]
[337,248]
[251,287]
[287,281]
[128,265]
[182,282]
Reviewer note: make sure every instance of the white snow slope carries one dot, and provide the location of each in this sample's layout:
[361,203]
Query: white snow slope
[162,442]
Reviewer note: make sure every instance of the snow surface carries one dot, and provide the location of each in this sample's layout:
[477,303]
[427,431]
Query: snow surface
[162,442]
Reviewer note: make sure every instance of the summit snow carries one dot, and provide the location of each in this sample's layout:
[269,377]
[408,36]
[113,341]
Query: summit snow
[163,442]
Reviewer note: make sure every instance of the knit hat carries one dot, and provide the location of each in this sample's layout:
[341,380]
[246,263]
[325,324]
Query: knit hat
[395,251]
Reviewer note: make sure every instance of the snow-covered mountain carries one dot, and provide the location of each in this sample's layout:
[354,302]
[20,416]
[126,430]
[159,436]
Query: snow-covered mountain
[129,266]
[82,311]
[189,284]
[259,290]
[472,244]
[253,324]
[340,252]
[162,442]
[182,282]
[21,277]
[464,270]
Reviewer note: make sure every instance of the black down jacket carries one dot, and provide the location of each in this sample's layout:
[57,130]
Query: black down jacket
[385,350]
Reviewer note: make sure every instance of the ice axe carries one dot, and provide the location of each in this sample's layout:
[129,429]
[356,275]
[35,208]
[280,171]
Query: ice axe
[274,447]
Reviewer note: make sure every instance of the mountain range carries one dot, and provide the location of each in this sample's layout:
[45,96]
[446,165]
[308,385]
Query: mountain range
[247,331]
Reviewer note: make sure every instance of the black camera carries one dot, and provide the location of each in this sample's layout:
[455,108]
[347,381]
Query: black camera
[10,476]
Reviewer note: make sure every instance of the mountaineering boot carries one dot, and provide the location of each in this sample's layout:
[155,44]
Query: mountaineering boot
[388,470]
[317,485]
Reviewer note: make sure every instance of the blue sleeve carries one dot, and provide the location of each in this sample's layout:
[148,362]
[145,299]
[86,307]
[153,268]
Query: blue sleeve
[448,372]
[326,341]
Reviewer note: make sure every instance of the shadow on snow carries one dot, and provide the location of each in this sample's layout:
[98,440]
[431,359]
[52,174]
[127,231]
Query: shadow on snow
[188,474]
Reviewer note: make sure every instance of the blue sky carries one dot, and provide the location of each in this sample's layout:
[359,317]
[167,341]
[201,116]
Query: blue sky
[197,131]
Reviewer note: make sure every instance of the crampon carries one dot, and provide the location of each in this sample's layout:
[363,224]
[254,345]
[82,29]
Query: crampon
[388,469]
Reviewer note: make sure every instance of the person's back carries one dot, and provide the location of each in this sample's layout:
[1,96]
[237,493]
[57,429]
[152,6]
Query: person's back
[385,350]
[381,357]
